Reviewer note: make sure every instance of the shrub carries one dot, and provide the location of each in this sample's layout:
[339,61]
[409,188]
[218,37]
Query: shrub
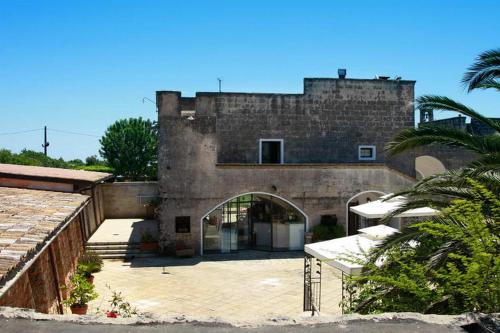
[323,232]
[89,263]
[147,237]
[98,168]
[81,292]
[450,266]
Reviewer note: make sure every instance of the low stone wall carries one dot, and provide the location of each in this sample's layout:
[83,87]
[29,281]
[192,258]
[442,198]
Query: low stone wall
[129,199]
[21,320]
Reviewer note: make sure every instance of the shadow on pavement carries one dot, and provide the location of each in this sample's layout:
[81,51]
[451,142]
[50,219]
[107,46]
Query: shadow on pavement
[237,256]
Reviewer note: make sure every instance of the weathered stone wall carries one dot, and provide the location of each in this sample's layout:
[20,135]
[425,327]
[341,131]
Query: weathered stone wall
[129,199]
[451,157]
[320,190]
[38,287]
[324,125]
[205,161]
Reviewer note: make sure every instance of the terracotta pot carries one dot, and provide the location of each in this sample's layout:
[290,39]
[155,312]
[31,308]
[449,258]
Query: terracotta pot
[79,309]
[152,246]
[308,237]
[90,279]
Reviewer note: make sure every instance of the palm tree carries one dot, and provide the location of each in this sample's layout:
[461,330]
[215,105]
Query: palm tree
[439,190]
[485,169]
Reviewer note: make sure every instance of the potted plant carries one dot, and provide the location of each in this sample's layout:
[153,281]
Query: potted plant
[119,307]
[148,242]
[81,292]
[88,264]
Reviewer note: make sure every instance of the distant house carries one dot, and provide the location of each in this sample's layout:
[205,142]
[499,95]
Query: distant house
[61,180]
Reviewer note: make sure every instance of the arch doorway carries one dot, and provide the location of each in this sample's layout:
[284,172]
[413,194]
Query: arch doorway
[427,166]
[354,221]
[259,221]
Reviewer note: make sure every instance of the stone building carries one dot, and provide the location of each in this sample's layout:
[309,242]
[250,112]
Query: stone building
[436,158]
[252,170]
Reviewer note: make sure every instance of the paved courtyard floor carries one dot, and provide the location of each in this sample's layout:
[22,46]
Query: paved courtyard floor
[123,230]
[246,286]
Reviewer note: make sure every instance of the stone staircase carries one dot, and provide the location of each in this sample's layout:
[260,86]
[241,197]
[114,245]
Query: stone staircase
[119,250]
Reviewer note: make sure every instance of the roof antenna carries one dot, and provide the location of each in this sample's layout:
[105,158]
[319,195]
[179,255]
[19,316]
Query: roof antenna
[220,84]
[151,101]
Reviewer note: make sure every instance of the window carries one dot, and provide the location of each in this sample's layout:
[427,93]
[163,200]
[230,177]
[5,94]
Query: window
[367,153]
[182,224]
[271,151]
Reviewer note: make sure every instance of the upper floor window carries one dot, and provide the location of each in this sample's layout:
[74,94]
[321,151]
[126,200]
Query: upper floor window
[367,153]
[271,151]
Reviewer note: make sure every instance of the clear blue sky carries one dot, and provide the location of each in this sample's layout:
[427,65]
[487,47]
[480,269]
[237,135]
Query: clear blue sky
[80,65]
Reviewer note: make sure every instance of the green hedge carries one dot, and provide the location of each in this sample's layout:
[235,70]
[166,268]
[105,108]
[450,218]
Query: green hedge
[323,232]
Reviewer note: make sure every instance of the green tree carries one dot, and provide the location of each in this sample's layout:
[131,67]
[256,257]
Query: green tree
[129,146]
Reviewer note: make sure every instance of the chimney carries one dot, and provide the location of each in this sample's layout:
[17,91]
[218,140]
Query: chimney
[342,73]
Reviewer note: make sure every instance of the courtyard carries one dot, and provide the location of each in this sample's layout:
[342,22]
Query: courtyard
[245,287]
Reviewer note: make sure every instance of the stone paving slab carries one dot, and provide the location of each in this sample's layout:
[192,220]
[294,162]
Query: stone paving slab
[242,287]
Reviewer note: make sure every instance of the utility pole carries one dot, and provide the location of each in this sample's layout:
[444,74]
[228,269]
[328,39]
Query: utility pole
[45,143]
[220,84]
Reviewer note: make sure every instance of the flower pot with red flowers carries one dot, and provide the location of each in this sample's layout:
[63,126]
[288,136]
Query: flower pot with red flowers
[112,314]
[148,242]
[81,292]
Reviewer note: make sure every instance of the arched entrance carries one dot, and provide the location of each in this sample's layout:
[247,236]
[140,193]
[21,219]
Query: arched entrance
[426,166]
[353,221]
[255,220]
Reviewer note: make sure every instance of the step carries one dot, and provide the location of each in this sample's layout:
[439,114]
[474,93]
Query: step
[134,251]
[110,243]
[128,256]
[111,247]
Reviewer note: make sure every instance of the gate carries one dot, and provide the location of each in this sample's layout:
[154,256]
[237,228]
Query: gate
[312,284]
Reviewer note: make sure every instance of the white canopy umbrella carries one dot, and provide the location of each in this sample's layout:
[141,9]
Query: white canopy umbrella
[336,252]
[379,208]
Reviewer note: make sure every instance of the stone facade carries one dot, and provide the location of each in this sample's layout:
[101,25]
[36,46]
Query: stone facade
[209,148]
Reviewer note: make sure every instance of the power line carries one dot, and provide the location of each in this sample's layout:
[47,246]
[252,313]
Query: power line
[74,133]
[21,132]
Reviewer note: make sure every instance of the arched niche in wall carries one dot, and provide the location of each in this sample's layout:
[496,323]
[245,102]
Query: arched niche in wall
[426,166]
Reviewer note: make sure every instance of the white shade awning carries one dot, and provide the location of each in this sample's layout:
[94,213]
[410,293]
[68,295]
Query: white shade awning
[379,209]
[338,252]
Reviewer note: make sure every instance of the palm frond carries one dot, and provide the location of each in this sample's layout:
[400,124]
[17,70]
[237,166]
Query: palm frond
[486,67]
[399,239]
[443,103]
[439,257]
[489,84]
[411,138]
[433,202]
